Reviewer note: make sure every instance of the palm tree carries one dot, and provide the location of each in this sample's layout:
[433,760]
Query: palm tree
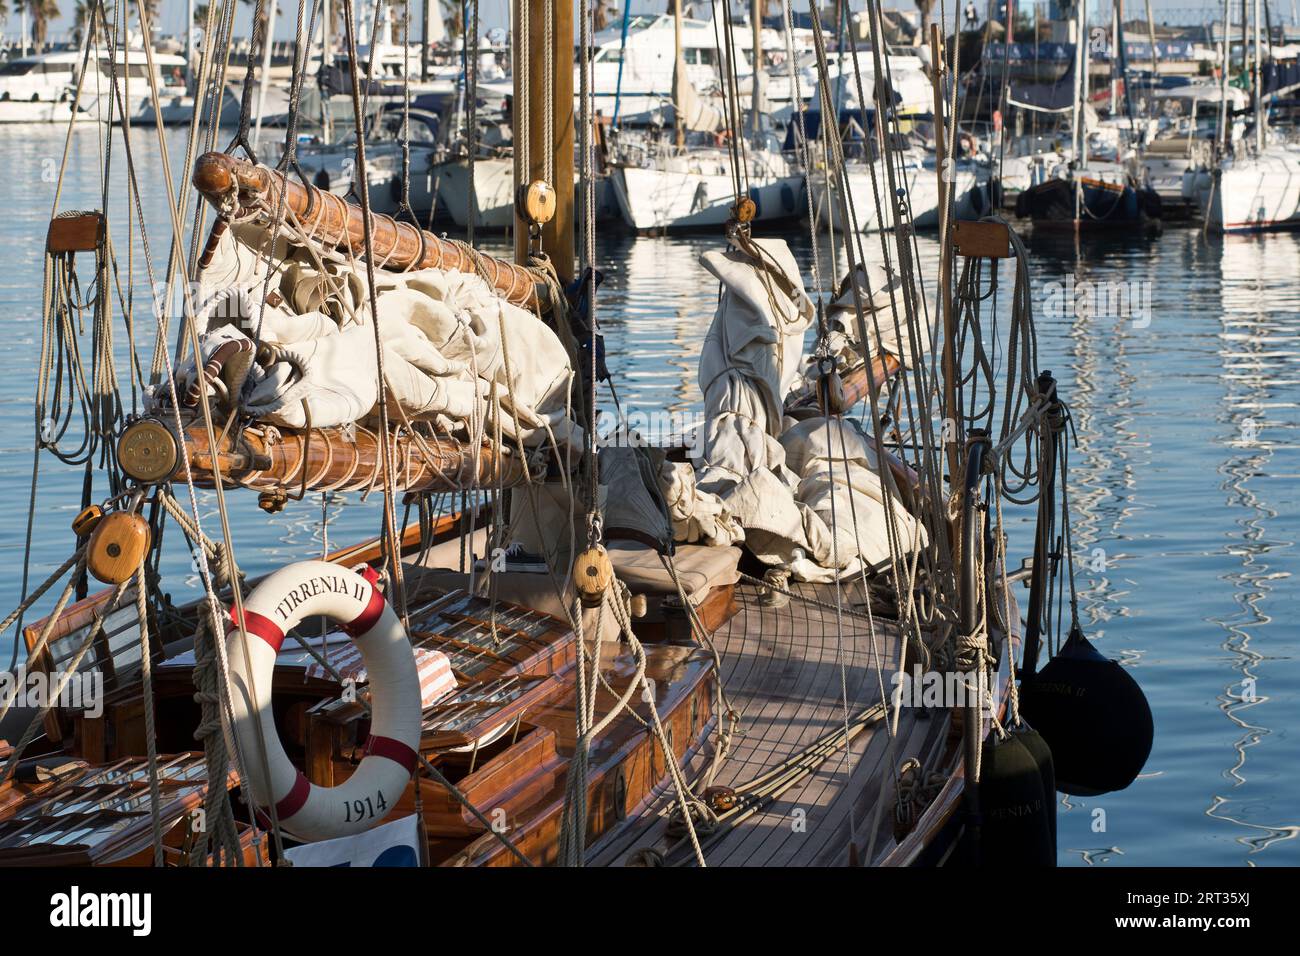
[81,16]
[923,35]
[604,12]
[452,17]
[41,12]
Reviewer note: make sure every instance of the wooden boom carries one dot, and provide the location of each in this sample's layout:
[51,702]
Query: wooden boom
[226,182]
[859,381]
[327,459]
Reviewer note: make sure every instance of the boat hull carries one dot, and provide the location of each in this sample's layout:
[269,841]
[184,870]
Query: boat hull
[922,194]
[1253,195]
[492,203]
[1099,204]
[652,200]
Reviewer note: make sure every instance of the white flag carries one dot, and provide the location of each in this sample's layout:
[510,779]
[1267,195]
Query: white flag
[393,844]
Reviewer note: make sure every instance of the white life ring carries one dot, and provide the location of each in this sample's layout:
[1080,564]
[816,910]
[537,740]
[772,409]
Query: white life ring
[274,608]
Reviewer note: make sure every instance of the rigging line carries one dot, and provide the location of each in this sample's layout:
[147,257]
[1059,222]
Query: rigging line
[548,93]
[361,129]
[902,235]
[405,138]
[802,147]
[74,665]
[150,726]
[288,160]
[301,54]
[192,328]
[471,84]
[521,110]
[839,618]
[261,31]
[730,100]
[909,250]
[925,461]
[836,153]
[77,564]
[208,89]
[389,530]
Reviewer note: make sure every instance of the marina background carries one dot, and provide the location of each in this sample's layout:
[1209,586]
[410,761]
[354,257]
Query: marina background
[495,13]
[1186,477]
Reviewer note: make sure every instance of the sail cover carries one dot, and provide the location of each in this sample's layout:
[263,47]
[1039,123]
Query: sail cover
[697,113]
[453,351]
[807,495]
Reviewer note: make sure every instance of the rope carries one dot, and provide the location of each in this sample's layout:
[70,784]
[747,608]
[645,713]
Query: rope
[150,728]
[190,328]
[388,529]
[92,634]
[219,830]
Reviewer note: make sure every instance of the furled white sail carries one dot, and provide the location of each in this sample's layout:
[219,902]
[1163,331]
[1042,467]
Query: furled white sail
[808,495]
[695,112]
[454,352]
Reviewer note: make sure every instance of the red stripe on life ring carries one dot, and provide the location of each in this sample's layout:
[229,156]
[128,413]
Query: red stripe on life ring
[367,618]
[293,801]
[263,627]
[394,750]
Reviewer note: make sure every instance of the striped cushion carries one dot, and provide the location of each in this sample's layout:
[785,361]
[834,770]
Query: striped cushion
[436,678]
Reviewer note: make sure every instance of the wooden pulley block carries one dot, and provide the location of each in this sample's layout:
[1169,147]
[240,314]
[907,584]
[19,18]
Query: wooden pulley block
[593,573]
[117,547]
[720,799]
[272,502]
[830,389]
[148,451]
[84,523]
[745,209]
[537,202]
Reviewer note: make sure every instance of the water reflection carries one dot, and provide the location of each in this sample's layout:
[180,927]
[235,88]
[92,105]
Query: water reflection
[1194,588]
[1257,345]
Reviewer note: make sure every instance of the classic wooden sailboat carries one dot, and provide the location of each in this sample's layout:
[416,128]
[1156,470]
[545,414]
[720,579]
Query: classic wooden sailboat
[712,666]
[1087,193]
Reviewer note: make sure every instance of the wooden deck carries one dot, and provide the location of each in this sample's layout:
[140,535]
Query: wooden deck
[795,675]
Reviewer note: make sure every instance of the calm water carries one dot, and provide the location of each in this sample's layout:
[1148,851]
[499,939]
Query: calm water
[1185,478]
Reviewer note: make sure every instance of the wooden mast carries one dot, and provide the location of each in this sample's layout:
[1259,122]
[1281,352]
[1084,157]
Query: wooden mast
[679,130]
[938,71]
[755,82]
[557,235]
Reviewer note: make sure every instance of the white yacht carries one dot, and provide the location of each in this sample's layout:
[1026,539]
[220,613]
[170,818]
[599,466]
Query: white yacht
[905,72]
[660,187]
[638,74]
[1253,191]
[42,88]
[332,166]
[492,205]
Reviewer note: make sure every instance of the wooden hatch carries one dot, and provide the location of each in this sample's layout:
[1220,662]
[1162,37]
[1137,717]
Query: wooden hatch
[62,812]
